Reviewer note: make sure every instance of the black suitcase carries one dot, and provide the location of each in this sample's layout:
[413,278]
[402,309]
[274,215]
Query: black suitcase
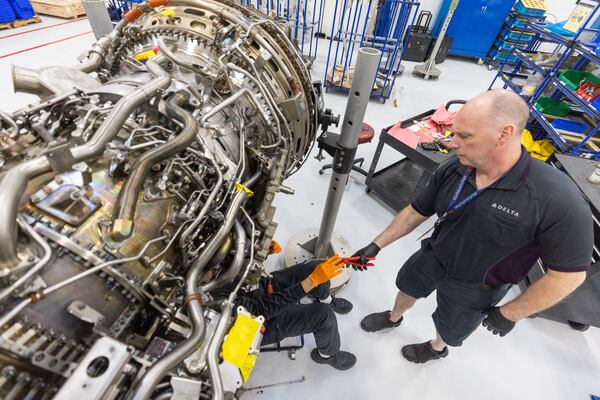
[419,39]
[443,50]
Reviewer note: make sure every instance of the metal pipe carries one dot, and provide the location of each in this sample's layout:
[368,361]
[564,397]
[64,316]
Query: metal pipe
[164,365]
[8,119]
[124,209]
[37,267]
[236,264]
[213,351]
[27,80]
[206,206]
[15,180]
[233,294]
[360,92]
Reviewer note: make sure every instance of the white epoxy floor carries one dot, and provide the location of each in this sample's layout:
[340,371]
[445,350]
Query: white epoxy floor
[540,359]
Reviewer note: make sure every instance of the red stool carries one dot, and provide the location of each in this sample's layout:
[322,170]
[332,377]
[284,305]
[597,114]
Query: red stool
[365,136]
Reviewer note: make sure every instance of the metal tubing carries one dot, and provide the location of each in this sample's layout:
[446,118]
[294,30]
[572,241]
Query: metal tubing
[27,80]
[124,210]
[15,180]
[8,119]
[360,92]
[37,267]
[213,351]
[236,264]
[164,365]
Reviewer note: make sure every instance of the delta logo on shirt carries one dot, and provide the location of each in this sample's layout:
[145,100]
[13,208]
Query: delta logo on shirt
[507,210]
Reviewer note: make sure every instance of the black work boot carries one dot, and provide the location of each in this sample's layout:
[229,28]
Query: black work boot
[343,360]
[340,306]
[378,321]
[422,352]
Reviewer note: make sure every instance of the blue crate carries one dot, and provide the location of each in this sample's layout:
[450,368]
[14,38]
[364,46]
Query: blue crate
[6,12]
[516,36]
[504,45]
[517,23]
[22,9]
[529,12]
[500,56]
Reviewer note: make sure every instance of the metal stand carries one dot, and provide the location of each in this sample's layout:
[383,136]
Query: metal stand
[360,92]
[428,70]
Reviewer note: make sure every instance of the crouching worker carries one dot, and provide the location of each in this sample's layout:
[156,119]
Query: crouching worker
[277,299]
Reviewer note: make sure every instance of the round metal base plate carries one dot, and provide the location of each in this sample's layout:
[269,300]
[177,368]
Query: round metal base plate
[295,253]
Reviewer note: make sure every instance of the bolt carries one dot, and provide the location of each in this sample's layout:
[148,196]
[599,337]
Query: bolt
[81,306]
[52,363]
[59,180]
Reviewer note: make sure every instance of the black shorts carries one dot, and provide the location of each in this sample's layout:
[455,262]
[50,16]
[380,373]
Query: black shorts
[460,305]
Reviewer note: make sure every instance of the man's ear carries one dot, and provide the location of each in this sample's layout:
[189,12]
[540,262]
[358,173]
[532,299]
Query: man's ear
[507,133]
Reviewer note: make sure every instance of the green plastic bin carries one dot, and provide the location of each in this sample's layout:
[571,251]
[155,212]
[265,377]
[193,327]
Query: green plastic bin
[573,78]
[550,106]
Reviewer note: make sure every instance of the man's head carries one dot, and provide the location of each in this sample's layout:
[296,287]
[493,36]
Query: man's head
[489,127]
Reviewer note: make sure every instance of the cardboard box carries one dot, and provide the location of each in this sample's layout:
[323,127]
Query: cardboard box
[59,8]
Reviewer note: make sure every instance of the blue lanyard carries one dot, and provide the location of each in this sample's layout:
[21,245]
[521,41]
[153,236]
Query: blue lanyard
[456,205]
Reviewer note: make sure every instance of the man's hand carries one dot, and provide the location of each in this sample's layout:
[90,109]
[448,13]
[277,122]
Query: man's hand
[328,269]
[370,251]
[497,323]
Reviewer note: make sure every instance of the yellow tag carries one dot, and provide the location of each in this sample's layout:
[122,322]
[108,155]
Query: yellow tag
[167,12]
[144,55]
[239,186]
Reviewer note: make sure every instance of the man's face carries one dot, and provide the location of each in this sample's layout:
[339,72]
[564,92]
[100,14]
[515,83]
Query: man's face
[474,141]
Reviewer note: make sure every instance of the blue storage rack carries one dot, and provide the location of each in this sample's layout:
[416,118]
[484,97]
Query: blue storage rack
[515,33]
[567,49]
[351,30]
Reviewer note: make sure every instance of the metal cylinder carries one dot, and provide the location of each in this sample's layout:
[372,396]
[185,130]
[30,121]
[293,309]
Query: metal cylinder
[98,16]
[365,72]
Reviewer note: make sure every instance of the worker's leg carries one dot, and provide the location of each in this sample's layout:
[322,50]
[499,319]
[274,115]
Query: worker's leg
[460,308]
[318,319]
[417,278]
[298,319]
[403,302]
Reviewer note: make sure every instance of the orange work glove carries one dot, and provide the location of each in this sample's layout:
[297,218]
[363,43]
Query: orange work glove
[328,269]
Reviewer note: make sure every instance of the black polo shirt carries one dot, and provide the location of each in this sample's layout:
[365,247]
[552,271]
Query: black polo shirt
[534,211]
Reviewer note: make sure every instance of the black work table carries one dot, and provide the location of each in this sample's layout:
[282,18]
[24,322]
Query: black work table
[580,310]
[397,184]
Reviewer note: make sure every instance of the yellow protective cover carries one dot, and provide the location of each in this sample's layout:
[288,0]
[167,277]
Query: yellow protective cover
[237,345]
[540,149]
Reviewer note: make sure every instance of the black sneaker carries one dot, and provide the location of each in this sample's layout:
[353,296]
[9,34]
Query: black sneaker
[378,321]
[340,306]
[343,360]
[422,352]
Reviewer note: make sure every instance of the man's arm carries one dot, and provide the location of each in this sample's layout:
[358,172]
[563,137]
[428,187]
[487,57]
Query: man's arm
[269,305]
[403,224]
[544,293]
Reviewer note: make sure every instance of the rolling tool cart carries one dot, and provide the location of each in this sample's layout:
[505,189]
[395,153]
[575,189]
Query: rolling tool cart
[397,184]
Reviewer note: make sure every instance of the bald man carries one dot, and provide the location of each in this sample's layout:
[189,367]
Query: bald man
[498,211]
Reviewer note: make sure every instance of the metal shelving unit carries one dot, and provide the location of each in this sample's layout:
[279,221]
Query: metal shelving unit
[381,24]
[568,49]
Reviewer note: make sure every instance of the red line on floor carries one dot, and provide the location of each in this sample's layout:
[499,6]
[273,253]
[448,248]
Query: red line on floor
[45,44]
[43,27]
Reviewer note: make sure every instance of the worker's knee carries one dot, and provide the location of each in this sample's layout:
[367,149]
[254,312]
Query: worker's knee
[323,315]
